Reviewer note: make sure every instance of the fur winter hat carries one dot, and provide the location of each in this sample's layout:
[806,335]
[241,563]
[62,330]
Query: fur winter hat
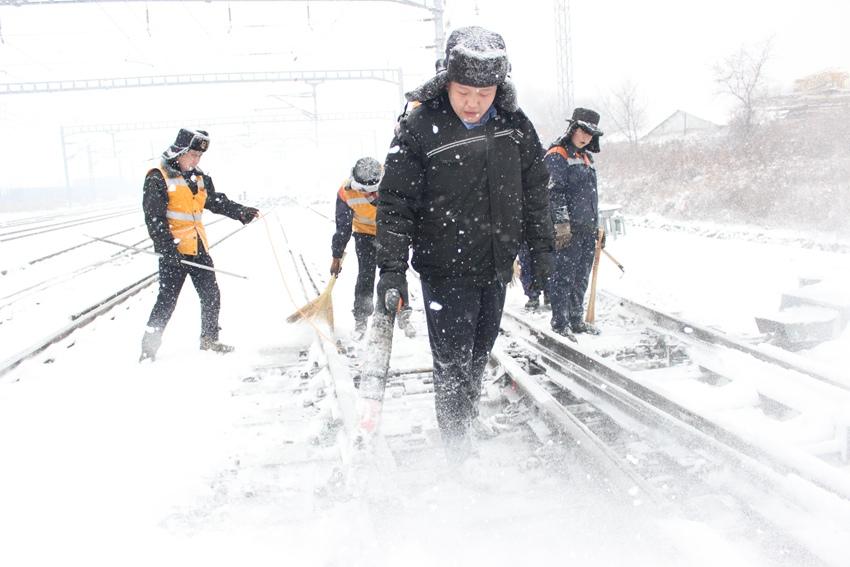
[366,174]
[475,57]
[186,140]
[587,120]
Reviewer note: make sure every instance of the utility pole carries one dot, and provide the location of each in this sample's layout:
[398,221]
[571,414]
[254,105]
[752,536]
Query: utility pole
[439,29]
[563,57]
[65,162]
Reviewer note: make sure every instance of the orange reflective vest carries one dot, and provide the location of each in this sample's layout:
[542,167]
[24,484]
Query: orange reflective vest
[184,211]
[363,205]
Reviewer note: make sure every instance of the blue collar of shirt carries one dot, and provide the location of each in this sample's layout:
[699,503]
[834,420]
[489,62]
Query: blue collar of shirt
[491,112]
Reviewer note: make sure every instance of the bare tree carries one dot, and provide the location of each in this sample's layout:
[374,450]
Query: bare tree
[626,110]
[742,76]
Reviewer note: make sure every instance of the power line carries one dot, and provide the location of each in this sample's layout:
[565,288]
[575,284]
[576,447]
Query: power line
[393,76]
[563,56]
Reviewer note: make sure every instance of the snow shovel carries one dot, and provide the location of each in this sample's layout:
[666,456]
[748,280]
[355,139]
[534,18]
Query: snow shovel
[591,302]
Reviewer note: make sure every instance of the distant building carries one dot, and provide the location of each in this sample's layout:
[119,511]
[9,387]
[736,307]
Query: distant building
[680,125]
[817,94]
[824,81]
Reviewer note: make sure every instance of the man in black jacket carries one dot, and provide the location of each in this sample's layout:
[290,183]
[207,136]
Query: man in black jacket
[175,196]
[464,184]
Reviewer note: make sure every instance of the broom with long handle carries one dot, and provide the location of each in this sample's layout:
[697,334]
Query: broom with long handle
[591,302]
[613,259]
[321,307]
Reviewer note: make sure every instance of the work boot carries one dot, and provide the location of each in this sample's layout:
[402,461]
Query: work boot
[209,343]
[458,448]
[565,332]
[150,343]
[403,320]
[533,303]
[583,327]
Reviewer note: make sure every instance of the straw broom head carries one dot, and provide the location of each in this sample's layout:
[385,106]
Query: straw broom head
[321,307]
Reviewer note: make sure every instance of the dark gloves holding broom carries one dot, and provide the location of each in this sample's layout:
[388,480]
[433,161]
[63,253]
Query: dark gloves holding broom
[336,266]
[389,281]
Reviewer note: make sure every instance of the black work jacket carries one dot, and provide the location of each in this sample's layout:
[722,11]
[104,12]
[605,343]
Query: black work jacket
[464,198]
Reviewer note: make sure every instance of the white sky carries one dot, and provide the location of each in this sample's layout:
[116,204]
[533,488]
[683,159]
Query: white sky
[666,47]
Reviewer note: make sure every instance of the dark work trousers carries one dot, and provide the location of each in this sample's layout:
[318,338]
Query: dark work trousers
[525,275]
[171,280]
[568,281]
[364,291]
[463,322]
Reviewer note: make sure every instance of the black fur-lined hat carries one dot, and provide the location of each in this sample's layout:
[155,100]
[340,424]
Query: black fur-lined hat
[186,140]
[587,120]
[475,57]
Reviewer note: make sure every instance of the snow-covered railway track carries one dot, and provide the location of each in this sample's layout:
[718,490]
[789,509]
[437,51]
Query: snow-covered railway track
[771,399]
[83,315]
[41,229]
[408,455]
[691,332]
[31,289]
[680,454]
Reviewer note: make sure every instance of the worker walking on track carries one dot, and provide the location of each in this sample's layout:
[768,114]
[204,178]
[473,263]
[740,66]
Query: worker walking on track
[175,196]
[464,185]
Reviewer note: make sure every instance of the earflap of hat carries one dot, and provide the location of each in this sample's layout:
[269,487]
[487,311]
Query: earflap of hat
[506,97]
[563,139]
[432,88]
[173,152]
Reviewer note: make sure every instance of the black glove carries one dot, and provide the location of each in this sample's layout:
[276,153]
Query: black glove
[541,268]
[602,242]
[248,214]
[171,257]
[388,281]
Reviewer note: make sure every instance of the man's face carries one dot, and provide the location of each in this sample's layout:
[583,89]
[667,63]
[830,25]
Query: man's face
[580,138]
[470,103]
[189,160]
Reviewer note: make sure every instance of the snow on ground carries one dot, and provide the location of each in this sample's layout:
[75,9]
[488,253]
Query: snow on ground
[105,461]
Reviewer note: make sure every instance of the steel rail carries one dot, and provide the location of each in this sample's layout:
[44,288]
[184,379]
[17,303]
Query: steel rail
[616,384]
[669,322]
[89,314]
